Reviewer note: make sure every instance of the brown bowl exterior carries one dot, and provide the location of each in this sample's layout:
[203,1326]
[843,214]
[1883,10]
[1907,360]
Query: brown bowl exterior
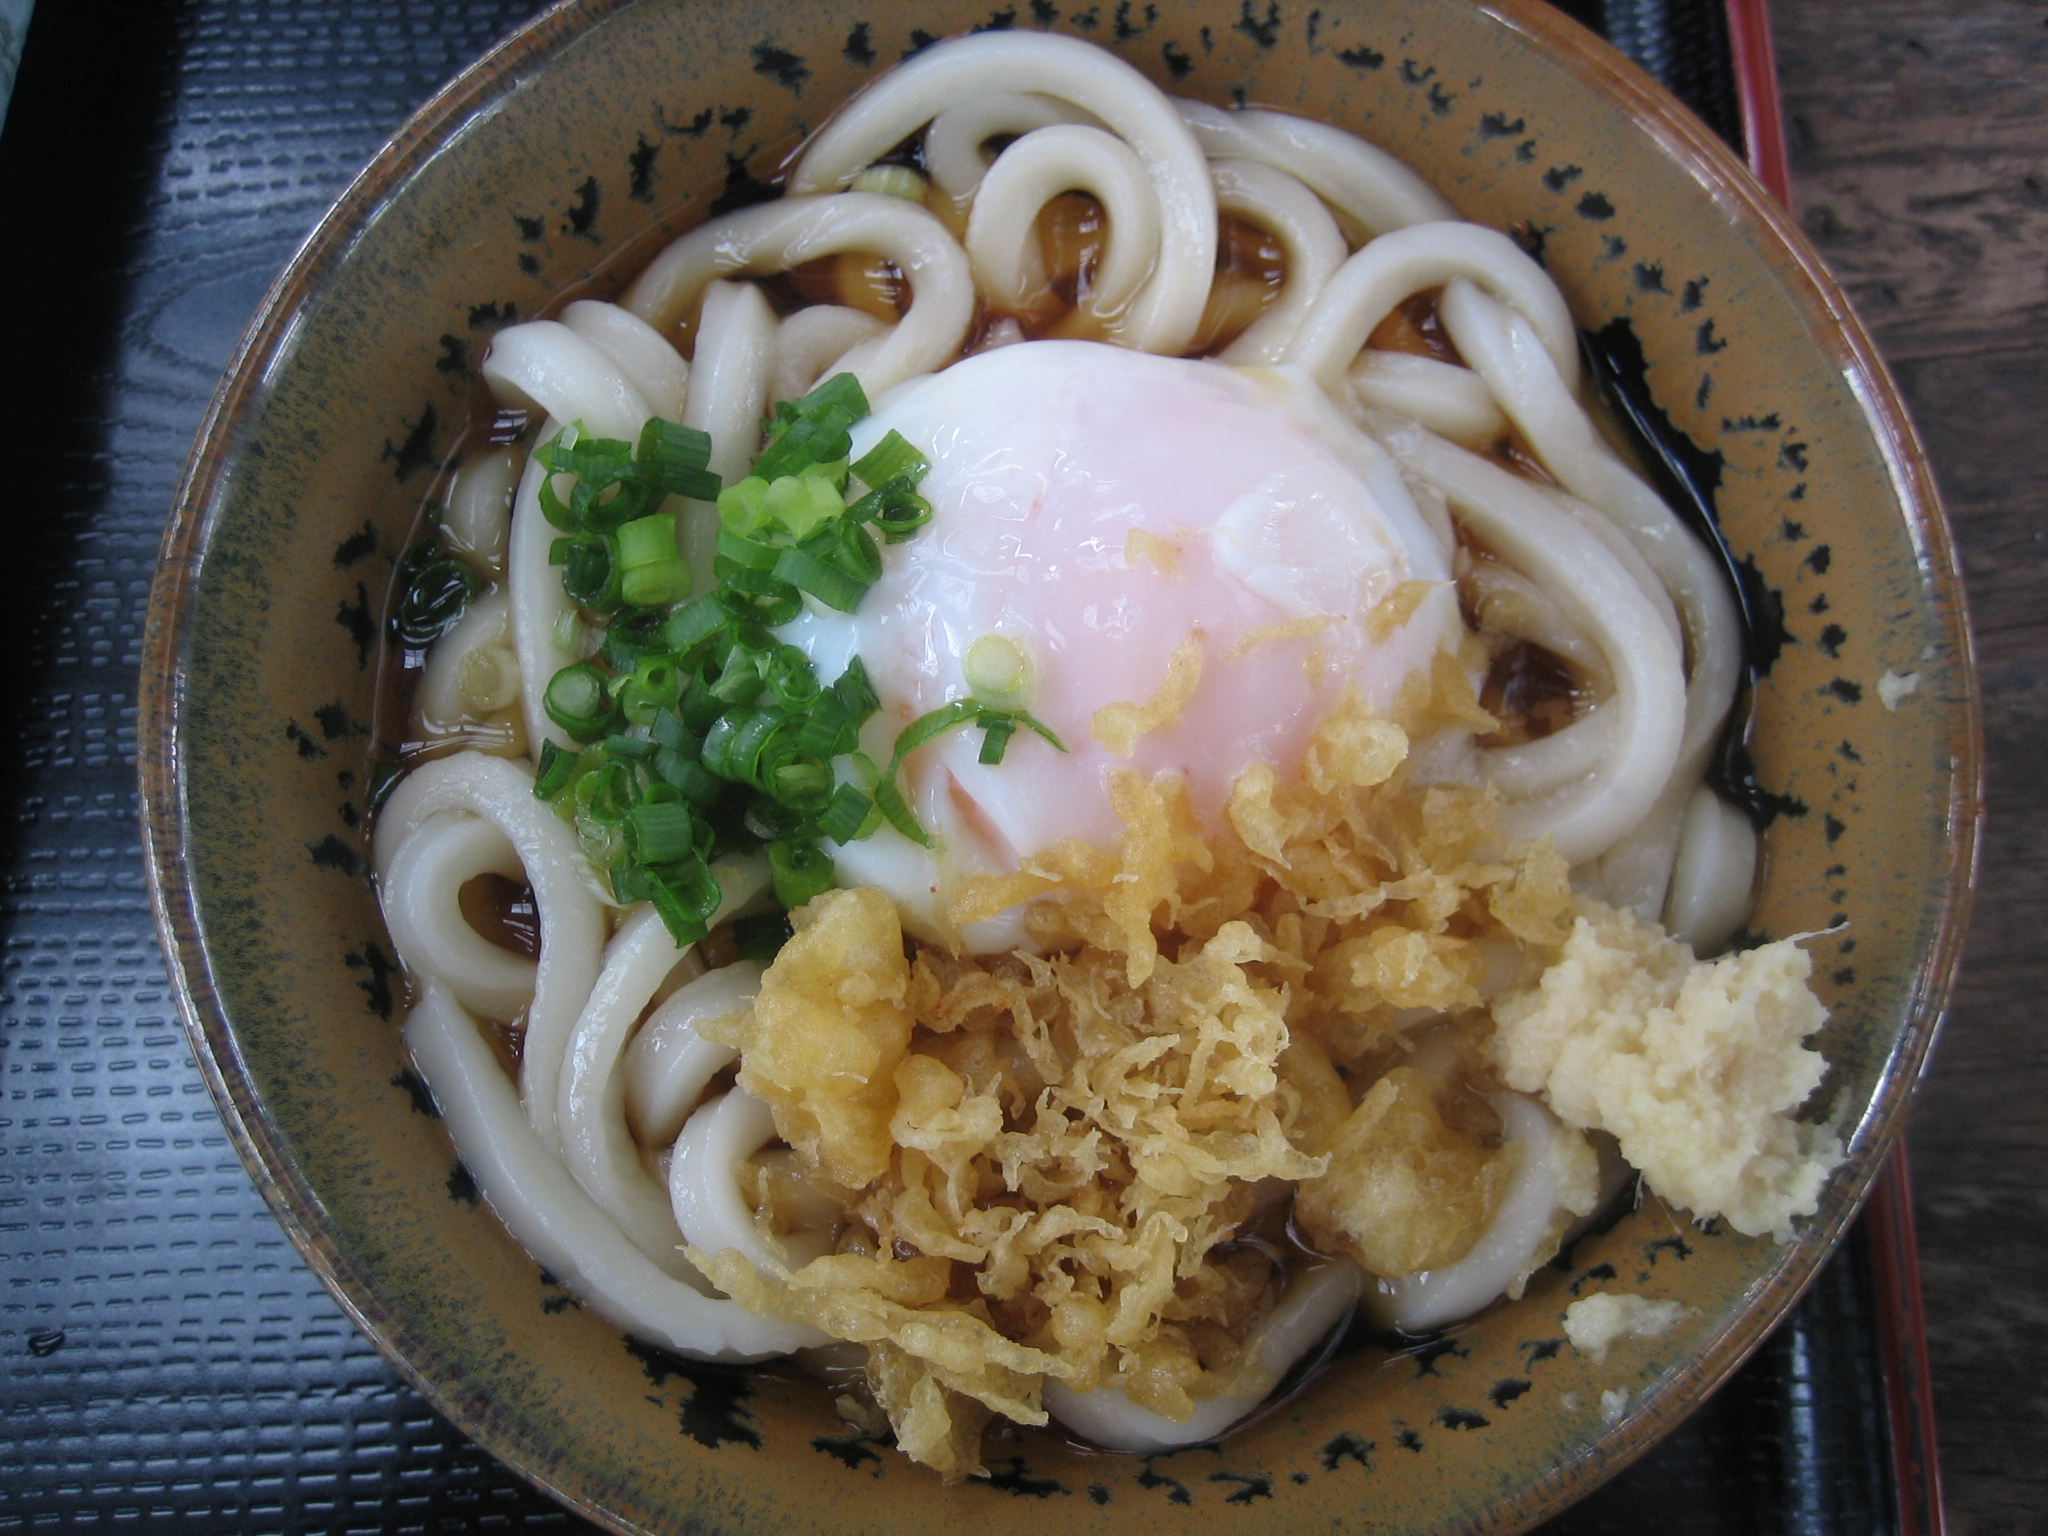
[608,126]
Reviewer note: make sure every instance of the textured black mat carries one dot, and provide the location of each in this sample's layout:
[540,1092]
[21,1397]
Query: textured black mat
[166,1362]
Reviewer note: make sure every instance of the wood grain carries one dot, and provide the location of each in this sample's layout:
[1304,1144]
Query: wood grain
[1919,139]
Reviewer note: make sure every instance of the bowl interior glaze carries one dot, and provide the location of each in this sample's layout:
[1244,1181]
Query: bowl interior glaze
[571,153]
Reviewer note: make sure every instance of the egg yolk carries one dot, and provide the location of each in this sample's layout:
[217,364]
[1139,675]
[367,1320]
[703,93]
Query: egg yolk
[1107,525]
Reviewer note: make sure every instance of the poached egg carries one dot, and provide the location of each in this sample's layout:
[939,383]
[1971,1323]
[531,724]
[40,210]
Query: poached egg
[1104,522]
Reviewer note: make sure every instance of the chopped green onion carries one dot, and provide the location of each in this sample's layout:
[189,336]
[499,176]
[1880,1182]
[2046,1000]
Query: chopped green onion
[632,636]
[651,571]
[577,701]
[746,551]
[557,768]
[828,584]
[689,778]
[889,801]
[929,726]
[767,598]
[849,547]
[661,834]
[798,780]
[654,684]
[843,818]
[686,894]
[888,460]
[637,748]
[895,508]
[590,569]
[791,683]
[698,619]
[675,457]
[743,505]
[800,504]
[802,872]
[995,740]
[604,845]
[812,430]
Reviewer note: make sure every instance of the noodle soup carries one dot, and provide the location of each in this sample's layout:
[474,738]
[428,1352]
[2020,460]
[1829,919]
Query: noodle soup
[1230,734]
[611,126]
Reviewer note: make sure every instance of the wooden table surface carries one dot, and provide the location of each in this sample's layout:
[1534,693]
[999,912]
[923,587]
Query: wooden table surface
[1919,140]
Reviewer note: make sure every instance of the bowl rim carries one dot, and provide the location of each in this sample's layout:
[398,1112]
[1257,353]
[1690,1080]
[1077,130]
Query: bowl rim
[167,638]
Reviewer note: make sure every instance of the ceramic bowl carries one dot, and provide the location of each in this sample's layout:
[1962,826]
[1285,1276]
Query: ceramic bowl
[567,155]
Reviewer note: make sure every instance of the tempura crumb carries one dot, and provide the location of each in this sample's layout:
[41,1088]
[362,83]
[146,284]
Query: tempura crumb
[1614,1405]
[1595,1323]
[1894,688]
[1046,1163]
[1118,726]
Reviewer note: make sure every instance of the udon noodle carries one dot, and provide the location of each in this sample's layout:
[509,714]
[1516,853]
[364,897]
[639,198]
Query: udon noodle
[1344,963]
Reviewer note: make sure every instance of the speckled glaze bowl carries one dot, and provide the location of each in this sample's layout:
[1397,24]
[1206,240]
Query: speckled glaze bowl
[561,161]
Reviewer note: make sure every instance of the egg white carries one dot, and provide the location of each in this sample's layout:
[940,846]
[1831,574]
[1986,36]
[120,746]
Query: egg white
[1099,508]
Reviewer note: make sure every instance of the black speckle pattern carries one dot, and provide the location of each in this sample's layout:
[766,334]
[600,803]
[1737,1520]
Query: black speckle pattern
[1246,1488]
[1176,1491]
[1263,30]
[1346,1447]
[416,1093]
[416,452]
[781,66]
[1011,1475]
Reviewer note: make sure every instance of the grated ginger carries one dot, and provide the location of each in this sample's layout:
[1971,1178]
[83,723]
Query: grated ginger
[1048,1165]
[1694,1067]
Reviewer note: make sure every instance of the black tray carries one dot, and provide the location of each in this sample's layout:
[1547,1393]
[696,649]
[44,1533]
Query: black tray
[169,1363]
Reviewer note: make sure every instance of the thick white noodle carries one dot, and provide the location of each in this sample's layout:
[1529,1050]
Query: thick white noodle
[1368,288]
[1309,241]
[546,367]
[1714,876]
[1372,192]
[1636,872]
[1169,309]
[1555,1179]
[470,675]
[545,364]
[637,349]
[703,1180]
[1549,762]
[735,368]
[539,605]
[735,365]
[669,1062]
[564,897]
[1589,814]
[597,1143]
[478,517]
[423,914]
[1509,603]
[955,145]
[553,1219]
[1002,241]
[1519,371]
[777,236]
[1451,401]
[1315,1303]
[809,342]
